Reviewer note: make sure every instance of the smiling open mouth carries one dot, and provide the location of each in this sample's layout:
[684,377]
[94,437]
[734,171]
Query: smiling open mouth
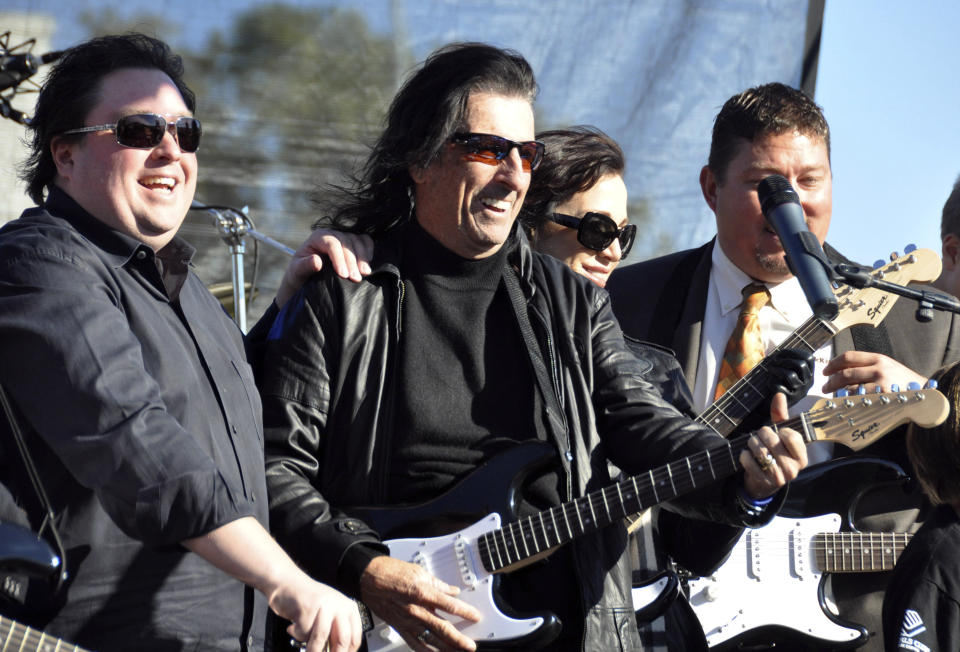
[159,183]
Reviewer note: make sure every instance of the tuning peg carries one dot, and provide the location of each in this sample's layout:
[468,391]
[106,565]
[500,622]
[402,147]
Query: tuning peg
[861,390]
[894,255]
[842,393]
[894,387]
[878,263]
[910,248]
[913,385]
[931,384]
[878,390]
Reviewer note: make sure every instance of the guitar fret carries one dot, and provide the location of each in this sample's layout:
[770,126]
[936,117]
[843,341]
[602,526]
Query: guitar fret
[513,542]
[543,533]
[693,480]
[606,505]
[506,547]
[710,464]
[576,508]
[556,530]
[566,520]
[593,515]
[653,487]
[524,537]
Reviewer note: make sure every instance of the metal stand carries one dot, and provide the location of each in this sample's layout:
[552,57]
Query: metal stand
[234,225]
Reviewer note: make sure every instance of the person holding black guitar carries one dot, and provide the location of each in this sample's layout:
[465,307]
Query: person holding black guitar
[461,347]
[689,300]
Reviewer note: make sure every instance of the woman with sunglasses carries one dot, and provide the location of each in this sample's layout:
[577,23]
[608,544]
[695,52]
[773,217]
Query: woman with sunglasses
[576,208]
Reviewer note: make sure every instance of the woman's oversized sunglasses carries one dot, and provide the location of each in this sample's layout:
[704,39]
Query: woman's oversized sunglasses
[145,131]
[490,149]
[598,231]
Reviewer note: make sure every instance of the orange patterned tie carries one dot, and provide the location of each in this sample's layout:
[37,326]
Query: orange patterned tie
[745,347]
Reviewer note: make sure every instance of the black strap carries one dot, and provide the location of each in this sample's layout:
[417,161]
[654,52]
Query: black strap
[547,391]
[31,469]
[526,330]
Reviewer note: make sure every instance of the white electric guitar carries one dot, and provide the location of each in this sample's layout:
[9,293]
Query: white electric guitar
[472,558]
[774,577]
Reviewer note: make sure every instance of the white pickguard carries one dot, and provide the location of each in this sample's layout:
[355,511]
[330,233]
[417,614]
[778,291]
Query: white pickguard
[454,559]
[770,578]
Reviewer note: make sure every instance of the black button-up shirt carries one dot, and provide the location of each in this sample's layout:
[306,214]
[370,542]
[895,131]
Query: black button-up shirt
[141,412]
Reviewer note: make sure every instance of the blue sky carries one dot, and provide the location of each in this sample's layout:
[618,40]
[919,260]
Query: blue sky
[888,85]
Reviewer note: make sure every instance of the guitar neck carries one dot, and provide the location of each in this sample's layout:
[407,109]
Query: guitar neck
[750,391]
[859,552]
[535,535]
[15,636]
[539,533]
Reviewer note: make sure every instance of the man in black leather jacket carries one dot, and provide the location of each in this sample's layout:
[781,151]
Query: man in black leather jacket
[463,344]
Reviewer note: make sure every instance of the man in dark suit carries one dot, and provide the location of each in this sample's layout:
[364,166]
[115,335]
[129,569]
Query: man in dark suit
[688,300]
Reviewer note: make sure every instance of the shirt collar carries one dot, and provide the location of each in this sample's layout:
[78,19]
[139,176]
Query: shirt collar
[786,298]
[118,247]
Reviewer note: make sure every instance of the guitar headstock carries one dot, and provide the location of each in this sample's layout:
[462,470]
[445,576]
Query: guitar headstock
[859,420]
[871,305]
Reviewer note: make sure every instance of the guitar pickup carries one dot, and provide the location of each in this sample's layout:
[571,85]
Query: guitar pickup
[465,562]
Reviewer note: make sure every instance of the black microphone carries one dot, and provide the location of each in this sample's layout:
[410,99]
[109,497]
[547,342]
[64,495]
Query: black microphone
[14,68]
[805,258]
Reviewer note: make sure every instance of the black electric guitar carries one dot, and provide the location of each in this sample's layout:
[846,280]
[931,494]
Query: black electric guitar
[471,558]
[773,587]
[21,551]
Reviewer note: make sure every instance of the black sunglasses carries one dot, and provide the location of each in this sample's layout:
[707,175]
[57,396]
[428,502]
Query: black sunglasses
[145,131]
[490,149]
[598,231]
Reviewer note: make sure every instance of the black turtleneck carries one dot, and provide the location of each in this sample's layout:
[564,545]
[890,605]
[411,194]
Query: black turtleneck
[465,385]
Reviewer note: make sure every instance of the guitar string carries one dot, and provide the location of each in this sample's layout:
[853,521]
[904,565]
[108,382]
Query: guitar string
[805,332]
[21,635]
[671,482]
[732,397]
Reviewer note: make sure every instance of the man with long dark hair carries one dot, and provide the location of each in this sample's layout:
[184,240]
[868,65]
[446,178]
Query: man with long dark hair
[460,345]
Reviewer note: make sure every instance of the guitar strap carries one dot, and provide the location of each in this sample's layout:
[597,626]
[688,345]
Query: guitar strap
[547,392]
[31,470]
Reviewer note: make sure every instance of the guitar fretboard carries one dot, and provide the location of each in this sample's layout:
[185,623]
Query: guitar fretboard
[554,527]
[748,392]
[858,552]
[15,636]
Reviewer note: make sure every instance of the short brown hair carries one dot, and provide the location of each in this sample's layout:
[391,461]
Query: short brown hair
[759,112]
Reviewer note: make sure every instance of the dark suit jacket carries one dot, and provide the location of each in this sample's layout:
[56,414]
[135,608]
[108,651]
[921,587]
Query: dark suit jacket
[663,300]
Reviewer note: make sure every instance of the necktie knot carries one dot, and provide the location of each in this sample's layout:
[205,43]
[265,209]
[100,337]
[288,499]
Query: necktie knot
[755,297]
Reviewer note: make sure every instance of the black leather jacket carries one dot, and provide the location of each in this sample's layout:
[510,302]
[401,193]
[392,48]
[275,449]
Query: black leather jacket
[328,408]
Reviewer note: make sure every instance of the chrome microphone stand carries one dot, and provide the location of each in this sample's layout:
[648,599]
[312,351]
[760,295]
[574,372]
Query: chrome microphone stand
[234,225]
